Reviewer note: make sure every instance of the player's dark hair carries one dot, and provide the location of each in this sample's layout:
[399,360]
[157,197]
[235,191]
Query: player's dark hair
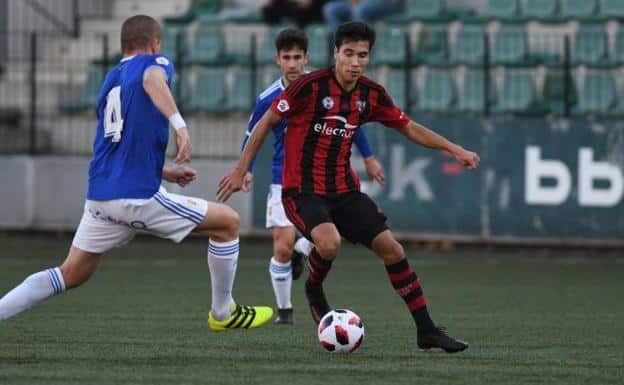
[137,32]
[290,38]
[354,31]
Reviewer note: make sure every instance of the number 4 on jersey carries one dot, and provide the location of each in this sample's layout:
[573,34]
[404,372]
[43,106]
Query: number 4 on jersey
[113,123]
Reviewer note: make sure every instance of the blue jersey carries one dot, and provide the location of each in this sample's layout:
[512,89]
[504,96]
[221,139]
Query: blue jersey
[263,102]
[132,134]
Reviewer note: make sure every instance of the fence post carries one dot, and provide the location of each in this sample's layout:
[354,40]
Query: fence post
[179,60]
[407,89]
[105,54]
[567,76]
[33,93]
[486,75]
[76,18]
[253,69]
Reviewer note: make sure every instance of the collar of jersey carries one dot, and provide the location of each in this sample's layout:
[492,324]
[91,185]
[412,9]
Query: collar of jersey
[127,58]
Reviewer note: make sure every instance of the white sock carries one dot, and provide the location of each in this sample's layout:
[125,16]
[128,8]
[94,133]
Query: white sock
[222,261]
[281,278]
[34,289]
[303,246]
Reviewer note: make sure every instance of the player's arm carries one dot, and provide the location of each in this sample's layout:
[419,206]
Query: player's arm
[422,135]
[373,167]
[233,180]
[156,87]
[259,109]
[180,174]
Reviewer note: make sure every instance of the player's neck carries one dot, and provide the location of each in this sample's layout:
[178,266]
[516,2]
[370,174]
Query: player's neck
[285,81]
[347,86]
[137,52]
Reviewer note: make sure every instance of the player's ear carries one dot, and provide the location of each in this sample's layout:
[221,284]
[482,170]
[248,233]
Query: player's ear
[306,58]
[336,53]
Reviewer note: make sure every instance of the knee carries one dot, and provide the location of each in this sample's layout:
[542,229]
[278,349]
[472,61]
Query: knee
[74,276]
[231,224]
[395,253]
[283,251]
[328,247]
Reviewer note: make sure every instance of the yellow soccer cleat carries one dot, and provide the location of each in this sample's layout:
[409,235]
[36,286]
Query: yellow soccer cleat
[247,317]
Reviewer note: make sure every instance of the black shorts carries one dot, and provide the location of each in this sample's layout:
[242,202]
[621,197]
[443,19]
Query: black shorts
[356,216]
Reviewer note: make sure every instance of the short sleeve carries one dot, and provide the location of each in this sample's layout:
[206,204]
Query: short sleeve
[164,63]
[384,111]
[293,99]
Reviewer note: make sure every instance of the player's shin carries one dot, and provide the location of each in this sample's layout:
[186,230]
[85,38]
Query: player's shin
[281,279]
[318,267]
[222,261]
[407,285]
[33,290]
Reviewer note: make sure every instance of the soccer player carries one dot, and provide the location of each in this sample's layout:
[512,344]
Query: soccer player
[320,190]
[134,110]
[286,265]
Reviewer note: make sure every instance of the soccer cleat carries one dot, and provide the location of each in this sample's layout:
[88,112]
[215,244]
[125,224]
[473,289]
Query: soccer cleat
[284,317]
[246,317]
[316,299]
[437,338]
[297,262]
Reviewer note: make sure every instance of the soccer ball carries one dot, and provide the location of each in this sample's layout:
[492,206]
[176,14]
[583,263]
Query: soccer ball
[341,330]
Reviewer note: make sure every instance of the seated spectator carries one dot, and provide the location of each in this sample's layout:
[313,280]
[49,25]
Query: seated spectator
[339,11]
[302,12]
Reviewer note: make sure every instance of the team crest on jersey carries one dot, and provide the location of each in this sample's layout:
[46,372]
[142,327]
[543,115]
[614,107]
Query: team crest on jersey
[162,60]
[361,105]
[328,103]
[282,106]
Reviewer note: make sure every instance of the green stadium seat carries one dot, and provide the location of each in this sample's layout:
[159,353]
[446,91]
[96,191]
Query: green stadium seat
[431,46]
[266,52]
[618,52]
[469,48]
[395,85]
[89,94]
[540,9]
[197,8]
[241,97]
[319,37]
[590,45]
[209,91]
[390,46]
[181,89]
[597,94]
[517,93]
[612,9]
[509,46]
[437,93]
[422,10]
[554,91]
[208,46]
[471,95]
[171,37]
[500,9]
[577,9]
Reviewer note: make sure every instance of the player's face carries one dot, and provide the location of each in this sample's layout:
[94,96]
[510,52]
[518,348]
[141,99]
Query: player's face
[292,63]
[351,60]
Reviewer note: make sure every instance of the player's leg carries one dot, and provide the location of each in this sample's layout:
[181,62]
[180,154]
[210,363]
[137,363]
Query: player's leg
[280,270]
[407,285]
[175,216]
[76,270]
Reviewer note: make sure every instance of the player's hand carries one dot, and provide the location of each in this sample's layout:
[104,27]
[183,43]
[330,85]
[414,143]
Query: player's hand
[182,175]
[468,159]
[375,170]
[247,181]
[183,139]
[229,184]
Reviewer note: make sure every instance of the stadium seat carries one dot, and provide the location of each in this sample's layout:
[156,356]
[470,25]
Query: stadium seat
[612,9]
[554,91]
[209,91]
[540,9]
[469,48]
[500,9]
[390,46]
[171,36]
[89,94]
[266,52]
[241,96]
[509,46]
[437,93]
[197,8]
[471,95]
[319,37]
[208,46]
[597,94]
[578,9]
[590,45]
[617,56]
[181,89]
[517,93]
[395,85]
[421,10]
[431,46]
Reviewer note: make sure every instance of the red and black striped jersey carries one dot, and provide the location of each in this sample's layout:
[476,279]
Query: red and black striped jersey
[322,119]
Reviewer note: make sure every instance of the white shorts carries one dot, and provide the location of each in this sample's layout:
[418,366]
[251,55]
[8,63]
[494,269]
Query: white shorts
[276,216]
[108,224]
